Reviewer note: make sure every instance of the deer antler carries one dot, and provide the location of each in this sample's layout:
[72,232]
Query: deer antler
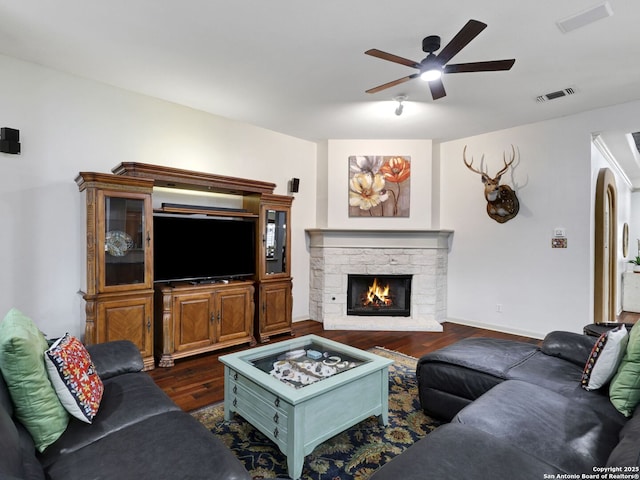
[507,165]
[469,164]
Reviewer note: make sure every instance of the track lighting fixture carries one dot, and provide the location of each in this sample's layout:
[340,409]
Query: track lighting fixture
[400,107]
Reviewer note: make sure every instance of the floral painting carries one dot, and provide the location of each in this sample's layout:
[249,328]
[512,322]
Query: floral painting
[379,186]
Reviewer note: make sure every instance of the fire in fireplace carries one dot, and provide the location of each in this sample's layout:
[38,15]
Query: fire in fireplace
[388,295]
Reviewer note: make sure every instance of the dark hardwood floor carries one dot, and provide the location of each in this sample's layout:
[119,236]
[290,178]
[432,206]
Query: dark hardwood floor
[198,381]
[628,317]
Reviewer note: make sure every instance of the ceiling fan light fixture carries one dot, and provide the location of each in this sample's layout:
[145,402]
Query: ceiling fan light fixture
[433,67]
[430,68]
[431,74]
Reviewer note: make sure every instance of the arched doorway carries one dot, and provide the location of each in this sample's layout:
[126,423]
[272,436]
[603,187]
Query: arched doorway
[606,232]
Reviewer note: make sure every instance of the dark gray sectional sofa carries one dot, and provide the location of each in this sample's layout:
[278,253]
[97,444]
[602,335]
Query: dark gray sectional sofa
[517,411]
[138,433]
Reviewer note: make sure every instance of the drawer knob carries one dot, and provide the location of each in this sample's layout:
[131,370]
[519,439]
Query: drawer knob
[235,376]
[276,418]
[235,389]
[276,432]
[235,402]
[277,402]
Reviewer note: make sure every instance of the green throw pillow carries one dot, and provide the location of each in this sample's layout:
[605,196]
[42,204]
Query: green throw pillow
[35,401]
[624,390]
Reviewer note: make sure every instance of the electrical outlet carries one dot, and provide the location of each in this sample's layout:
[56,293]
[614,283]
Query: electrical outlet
[499,307]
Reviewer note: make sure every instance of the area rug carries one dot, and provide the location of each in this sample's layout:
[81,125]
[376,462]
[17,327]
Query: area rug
[352,455]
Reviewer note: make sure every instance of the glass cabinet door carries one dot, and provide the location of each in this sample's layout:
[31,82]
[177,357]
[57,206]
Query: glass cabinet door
[126,240]
[276,241]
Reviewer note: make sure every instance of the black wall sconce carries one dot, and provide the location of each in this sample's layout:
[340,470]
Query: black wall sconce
[9,140]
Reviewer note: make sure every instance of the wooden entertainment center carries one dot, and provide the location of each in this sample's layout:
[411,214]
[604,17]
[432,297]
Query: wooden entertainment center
[170,320]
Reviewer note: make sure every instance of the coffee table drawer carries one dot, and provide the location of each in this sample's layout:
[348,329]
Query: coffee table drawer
[265,396]
[266,411]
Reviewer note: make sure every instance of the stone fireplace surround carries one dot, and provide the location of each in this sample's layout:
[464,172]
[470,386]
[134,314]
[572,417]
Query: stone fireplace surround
[334,253]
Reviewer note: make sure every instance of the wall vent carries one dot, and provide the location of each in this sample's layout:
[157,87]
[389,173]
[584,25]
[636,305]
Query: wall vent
[554,95]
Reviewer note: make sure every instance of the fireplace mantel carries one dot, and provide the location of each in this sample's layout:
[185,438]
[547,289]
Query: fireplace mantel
[336,253]
[360,238]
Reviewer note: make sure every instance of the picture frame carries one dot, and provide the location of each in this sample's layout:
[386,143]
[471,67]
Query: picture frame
[379,186]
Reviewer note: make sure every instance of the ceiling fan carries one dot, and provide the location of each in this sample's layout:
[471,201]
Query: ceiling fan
[433,66]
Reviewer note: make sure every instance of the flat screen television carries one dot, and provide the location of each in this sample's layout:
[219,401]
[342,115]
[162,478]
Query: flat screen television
[200,248]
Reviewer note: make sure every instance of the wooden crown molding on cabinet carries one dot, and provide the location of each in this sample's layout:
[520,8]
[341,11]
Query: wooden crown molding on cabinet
[86,180]
[191,180]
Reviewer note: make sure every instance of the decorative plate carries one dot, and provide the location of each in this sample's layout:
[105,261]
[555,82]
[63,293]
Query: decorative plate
[117,243]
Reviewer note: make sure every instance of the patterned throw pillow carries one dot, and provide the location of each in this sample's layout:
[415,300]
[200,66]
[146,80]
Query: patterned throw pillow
[605,358]
[74,378]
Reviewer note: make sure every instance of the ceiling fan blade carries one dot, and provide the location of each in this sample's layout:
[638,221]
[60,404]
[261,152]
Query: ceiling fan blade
[437,89]
[392,84]
[491,66]
[374,52]
[470,31]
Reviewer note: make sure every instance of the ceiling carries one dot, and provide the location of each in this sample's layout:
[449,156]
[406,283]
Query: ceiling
[298,66]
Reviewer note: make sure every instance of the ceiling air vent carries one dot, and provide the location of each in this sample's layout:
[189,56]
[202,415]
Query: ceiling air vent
[585,17]
[555,95]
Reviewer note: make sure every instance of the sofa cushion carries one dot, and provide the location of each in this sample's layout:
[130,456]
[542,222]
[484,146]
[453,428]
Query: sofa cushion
[624,389]
[493,356]
[30,464]
[545,424]
[5,398]
[115,358]
[462,452]
[627,451]
[18,453]
[439,404]
[563,377]
[128,399]
[36,404]
[455,380]
[605,357]
[452,377]
[74,377]
[169,446]
[569,346]
[11,457]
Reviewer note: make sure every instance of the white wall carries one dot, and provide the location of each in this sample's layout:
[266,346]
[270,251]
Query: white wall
[337,174]
[512,264]
[68,124]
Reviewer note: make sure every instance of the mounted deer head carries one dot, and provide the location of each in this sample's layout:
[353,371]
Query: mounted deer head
[502,203]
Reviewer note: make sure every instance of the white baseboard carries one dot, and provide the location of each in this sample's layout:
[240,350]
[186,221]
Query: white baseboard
[303,319]
[496,328]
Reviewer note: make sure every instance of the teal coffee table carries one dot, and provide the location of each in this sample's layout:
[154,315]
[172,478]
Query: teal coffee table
[303,391]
